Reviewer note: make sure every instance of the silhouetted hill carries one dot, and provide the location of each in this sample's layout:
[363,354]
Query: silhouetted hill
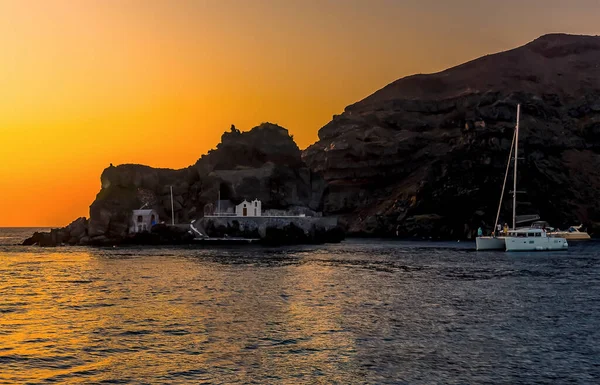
[426,154]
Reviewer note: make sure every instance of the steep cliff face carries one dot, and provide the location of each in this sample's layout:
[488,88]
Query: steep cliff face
[425,156]
[262,163]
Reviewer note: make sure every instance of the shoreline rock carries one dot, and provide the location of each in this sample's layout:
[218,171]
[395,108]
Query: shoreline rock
[76,233]
[264,163]
[270,231]
[276,231]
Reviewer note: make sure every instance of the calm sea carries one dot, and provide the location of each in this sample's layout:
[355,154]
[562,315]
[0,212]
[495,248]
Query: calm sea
[375,312]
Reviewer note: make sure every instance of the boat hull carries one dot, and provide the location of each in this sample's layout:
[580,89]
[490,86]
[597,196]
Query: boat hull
[490,243]
[535,244]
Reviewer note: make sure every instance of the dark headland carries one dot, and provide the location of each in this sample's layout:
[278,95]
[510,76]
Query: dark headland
[423,157]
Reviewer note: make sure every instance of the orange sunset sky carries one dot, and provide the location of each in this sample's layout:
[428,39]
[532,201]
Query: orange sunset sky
[85,83]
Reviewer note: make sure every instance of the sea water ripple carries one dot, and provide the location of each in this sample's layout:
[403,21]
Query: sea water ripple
[358,312]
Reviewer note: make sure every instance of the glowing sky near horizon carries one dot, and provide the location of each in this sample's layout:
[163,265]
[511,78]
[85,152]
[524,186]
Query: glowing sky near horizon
[91,82]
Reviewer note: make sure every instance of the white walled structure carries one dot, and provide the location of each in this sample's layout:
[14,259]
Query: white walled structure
[249,209]
[142,220]
[252,209]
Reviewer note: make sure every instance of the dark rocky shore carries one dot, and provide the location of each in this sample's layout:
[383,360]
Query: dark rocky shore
[422,157]
[264,163]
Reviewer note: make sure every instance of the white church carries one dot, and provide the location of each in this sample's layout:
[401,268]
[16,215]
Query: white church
[226,208]
[249,209]
[142,220]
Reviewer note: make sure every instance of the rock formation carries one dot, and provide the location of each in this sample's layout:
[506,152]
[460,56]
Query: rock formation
[263,163]
[73,234]
[425,155]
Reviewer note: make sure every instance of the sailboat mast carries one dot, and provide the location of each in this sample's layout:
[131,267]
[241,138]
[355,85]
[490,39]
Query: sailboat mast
[515,168]
[512,147]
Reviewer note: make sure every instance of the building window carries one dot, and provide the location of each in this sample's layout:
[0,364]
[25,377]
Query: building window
[140,219]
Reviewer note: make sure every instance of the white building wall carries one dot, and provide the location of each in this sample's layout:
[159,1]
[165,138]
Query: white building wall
[251,209]
[239,209]
[256,208]
[146,222]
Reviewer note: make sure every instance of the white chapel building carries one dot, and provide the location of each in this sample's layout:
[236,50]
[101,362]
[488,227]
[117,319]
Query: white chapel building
[249,209]
[142,220]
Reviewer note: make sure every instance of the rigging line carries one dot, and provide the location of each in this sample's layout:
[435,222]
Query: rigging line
[505,177]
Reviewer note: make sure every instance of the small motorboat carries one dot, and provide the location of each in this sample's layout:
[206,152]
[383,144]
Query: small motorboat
[574,233]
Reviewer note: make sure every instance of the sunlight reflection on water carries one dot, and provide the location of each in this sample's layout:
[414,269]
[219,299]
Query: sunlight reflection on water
[360,312]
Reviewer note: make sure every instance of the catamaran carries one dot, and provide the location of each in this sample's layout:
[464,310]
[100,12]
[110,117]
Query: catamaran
[518,239]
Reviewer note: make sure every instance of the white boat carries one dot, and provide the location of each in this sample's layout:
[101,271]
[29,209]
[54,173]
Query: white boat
[528,239]
[533,240]
[574,233]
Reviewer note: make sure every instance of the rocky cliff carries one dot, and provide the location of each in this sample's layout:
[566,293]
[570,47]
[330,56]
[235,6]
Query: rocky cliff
[425,155]
[263,163]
